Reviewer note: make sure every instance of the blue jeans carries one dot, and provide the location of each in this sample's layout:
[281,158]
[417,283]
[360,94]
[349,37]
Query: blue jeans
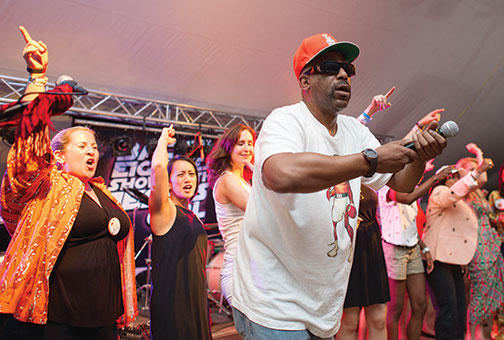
[447,285]
[250,330]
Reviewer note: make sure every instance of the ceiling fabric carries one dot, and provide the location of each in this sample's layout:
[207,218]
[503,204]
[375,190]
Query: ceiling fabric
[236,56]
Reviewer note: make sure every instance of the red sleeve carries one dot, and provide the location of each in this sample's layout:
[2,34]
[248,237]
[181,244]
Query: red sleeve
[30,159]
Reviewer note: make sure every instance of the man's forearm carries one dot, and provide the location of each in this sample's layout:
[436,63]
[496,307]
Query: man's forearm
[307,172]
[406,179]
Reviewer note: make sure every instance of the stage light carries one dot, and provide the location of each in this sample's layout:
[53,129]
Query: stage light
[121,146]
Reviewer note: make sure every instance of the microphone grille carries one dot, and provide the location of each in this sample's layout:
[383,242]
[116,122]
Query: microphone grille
[449,129]
[63,78]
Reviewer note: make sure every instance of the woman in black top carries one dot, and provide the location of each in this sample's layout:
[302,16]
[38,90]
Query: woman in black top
[179,308]
[70,262]
[85,285]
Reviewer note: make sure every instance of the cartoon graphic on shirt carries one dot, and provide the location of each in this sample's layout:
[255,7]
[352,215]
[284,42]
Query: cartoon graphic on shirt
[343,209]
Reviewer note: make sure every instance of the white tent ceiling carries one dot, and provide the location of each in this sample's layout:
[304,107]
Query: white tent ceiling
[236,55]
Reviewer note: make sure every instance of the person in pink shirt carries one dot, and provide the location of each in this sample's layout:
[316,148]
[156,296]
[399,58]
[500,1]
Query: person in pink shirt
[451,233]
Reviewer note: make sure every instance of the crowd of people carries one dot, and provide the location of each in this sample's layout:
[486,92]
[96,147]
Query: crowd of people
[318,221]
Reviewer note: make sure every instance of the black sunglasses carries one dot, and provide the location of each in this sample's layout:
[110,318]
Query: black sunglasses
[332,67]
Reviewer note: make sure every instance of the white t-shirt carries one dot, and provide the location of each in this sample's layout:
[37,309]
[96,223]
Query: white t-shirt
[398,221]
[284,276]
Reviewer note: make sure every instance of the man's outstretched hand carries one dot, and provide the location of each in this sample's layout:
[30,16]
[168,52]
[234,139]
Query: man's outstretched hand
[429,143]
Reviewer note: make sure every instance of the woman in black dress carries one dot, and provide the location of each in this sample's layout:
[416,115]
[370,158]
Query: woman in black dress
[368,284]
[179,308]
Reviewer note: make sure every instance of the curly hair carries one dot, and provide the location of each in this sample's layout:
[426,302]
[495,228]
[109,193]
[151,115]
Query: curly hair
[219,158]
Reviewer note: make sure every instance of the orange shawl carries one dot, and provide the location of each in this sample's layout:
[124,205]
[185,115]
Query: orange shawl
[39,204]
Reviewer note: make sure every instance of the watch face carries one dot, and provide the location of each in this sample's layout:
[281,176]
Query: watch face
[371,153]
[372,157]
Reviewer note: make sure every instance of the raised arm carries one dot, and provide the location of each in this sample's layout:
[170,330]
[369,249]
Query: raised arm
[443,196]
[161,207]
[422,189]
[29,159]
[480,174]
[478,153]
[378,103]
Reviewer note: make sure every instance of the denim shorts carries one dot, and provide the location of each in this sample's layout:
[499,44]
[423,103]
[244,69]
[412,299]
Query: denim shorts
[250,330]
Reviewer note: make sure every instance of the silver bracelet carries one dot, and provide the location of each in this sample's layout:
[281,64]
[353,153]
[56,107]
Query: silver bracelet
[38,81]
[425,250]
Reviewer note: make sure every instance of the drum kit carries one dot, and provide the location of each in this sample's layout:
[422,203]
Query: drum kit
[213,268]
[215,260]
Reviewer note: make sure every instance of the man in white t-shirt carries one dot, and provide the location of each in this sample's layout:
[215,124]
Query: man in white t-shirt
[295,248]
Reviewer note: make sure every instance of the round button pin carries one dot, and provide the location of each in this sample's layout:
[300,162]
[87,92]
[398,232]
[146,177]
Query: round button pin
[114,225]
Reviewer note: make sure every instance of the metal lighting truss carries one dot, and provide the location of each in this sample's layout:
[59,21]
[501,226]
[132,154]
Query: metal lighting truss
[128,112]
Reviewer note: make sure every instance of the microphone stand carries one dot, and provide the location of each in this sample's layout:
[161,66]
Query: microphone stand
[148,261]
[145,288]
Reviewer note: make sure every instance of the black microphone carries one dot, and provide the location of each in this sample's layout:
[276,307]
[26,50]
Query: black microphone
[134,192]
[448,129]
[64,79]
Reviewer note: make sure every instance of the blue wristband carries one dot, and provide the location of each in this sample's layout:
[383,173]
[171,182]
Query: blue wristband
[364,118]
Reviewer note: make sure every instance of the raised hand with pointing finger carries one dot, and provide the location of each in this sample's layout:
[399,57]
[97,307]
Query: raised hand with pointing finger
[36,57]
[34,53]
[380,102]
[168,135]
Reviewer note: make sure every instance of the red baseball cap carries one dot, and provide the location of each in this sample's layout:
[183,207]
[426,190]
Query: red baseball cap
[318,44]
